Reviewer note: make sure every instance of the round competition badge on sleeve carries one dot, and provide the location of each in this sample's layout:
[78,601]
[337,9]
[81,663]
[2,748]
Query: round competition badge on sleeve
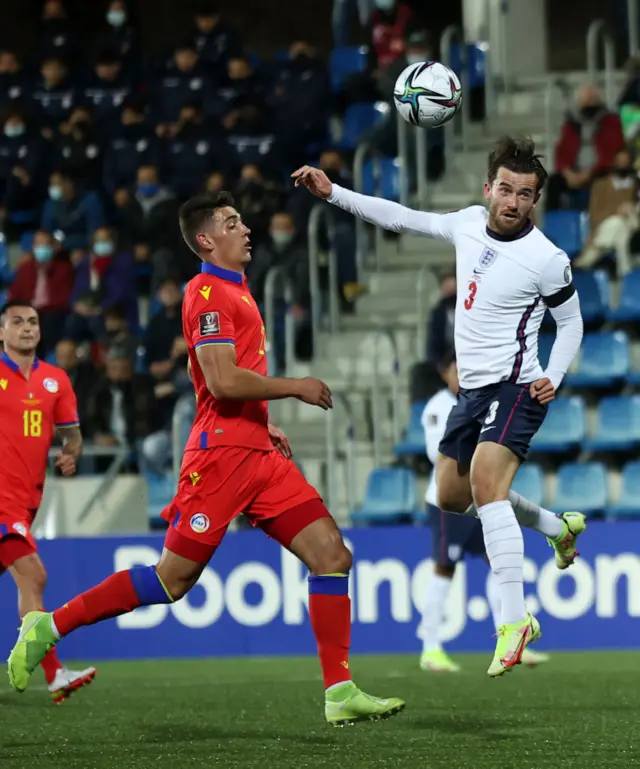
[567,274]
[199,523]
[51,385]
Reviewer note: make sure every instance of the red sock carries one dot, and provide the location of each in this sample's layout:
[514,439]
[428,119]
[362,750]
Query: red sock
[50,665]
[330,613]
[115,596]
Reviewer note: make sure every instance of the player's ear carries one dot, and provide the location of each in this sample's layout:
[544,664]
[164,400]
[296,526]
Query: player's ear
[535,200]
[487,191]
[205,241]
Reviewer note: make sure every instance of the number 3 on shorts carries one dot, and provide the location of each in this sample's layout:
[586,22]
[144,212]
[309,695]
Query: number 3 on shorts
[491,415]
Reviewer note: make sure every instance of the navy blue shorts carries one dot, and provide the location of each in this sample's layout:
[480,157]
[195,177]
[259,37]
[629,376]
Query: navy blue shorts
[502,413]
[454,536]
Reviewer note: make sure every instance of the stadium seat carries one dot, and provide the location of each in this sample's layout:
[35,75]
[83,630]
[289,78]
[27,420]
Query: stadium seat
[161,489]
[390,497]
[346,61]
[529,482]
[412,443]
[628,503]
[545,343]
[358,119]
[592,288]
[604,361]
[475,63]
[582,487]
[628,309]
[564,428]
[387,186]
[566,230]
[617,425]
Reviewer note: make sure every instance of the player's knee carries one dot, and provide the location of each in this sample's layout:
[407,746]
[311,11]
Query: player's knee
[486,490]
[334,560]
[453,501]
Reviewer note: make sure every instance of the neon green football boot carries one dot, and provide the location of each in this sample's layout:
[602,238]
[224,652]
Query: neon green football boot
[565,544]
[438,661]
[346,704]
[35,640]
[513,639]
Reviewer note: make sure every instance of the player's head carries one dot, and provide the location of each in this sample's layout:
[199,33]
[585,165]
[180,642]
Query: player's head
[213,229]
[448,370]
[19,328]
[67,354]
[515,179]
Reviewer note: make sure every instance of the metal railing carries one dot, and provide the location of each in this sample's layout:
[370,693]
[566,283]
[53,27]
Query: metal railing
[633,20]
[598,31]
[273,276]
[552,89]
[319,213]
[452,149]
[364,249]
[405,133]
[338,435]
[377,396]
[425,277]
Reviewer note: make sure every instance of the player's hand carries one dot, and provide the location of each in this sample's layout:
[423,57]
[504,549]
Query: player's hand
[314,392]
[315,180]
[542,390]
[66,463]
[280,441]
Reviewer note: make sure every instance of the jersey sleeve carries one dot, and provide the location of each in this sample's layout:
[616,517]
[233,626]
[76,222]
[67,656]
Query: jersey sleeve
[393,216]
[556,283]
[209,320]
[66,408]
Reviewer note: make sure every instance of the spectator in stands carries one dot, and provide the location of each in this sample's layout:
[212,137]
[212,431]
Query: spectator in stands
[12,79]
[106,90]
[77,149]
[133,146]
[45,280]
[122,406]
[72,216]
[120,36]
[238,88]
[215,182]
[214,40]
[21,157]
[184,82]
[56,34]
[613,215]
[191,149]
[588,143]
[54,94]
[258,198]
[81,373]
[253,141]
[118,332]
[441,321]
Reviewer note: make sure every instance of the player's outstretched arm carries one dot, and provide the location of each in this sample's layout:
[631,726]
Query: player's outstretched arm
[227,381]
[383,213]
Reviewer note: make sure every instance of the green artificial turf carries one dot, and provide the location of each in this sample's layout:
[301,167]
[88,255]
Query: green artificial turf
[580,710]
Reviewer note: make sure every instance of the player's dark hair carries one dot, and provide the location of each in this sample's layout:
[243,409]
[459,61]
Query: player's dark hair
[197,211]
[14,303]
[517,155]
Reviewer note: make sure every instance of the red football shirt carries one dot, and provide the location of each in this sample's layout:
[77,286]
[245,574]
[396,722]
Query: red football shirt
[30,410]
[218,309]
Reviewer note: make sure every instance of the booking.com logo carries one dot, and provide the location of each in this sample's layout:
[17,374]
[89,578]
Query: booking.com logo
[386,589]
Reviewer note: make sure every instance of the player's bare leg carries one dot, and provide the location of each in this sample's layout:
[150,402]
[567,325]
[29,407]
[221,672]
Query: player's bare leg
[30,576]
[492,471]
[321,548]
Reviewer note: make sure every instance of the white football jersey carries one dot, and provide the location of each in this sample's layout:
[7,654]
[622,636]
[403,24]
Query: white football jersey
[434,421]
[504,285]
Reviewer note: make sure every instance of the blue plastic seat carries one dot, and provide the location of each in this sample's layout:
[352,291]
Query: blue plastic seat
[387,185]
[346,61]
[592,288]
[566,230]
[412,443]
[358,119]
[390,497]
[582,487]
[617,425]
[161,489]
[628,309]
[604,361]
[564,428]
[545,343]
[628,503]
[529,483]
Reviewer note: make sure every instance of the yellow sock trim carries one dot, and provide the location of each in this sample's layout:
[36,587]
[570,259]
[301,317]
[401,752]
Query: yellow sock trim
[164,587]
[336,574]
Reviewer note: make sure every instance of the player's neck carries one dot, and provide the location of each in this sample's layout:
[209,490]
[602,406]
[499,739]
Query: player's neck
[24,361]
[238,269]
[497,234]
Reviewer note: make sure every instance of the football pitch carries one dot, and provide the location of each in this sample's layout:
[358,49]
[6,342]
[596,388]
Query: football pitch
[579,710]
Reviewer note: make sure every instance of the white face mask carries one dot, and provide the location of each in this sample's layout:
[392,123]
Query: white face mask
[385,5]
[116,18]
[415,58]
[281,238]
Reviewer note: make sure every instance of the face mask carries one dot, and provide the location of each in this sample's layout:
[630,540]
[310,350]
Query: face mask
[589,112]
[116,18]
[623,173]
[148,190]
[385,5]
[42,253]
[281,239]
[415,58]
[103,247]
[55,192]
[14,130]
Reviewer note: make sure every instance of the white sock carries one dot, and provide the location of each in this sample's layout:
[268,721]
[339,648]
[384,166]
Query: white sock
[54,628]
[534,517]
[433,612]
[493,596]
[505,551]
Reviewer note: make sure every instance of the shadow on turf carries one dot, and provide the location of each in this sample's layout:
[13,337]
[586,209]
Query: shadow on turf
[163,735]
[490,729]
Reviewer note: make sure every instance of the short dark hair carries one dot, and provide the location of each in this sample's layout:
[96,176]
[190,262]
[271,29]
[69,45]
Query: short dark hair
[517,155]
[14,303]
[196,211]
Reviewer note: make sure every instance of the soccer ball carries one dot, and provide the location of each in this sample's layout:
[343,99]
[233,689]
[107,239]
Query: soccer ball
[427,94]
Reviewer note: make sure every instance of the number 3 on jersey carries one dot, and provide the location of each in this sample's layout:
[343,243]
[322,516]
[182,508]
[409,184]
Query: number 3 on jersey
[468,302]
[32,423]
